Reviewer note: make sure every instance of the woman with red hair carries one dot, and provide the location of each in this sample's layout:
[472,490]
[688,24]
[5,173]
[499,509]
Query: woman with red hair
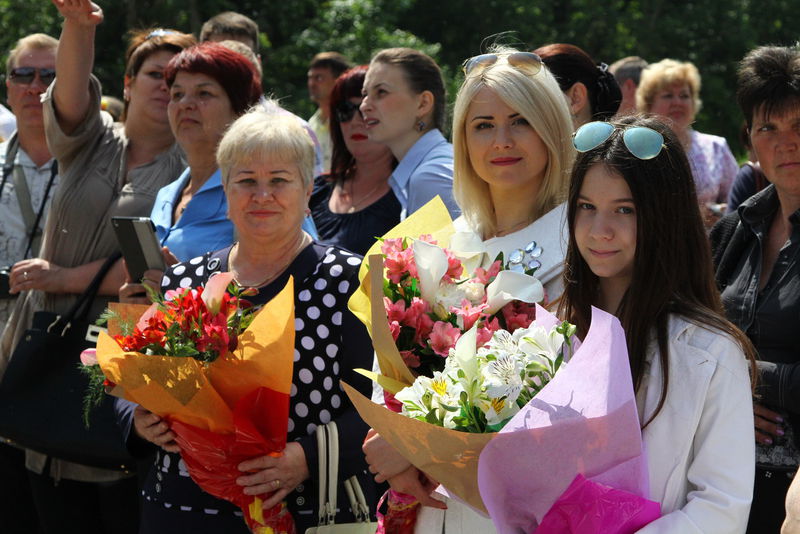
[354,203]
[210,86]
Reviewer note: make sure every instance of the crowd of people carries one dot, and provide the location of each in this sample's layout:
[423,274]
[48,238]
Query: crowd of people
[598,164]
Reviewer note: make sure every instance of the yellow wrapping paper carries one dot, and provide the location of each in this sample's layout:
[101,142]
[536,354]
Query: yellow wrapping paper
[201,394]
[448,456]
[367,304]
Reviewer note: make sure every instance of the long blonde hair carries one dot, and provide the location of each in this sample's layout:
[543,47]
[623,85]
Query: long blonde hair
[540,101]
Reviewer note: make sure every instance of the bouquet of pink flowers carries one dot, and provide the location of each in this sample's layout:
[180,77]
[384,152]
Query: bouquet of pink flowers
[431,298]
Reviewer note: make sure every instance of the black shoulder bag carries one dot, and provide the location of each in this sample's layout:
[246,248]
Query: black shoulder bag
[42,390]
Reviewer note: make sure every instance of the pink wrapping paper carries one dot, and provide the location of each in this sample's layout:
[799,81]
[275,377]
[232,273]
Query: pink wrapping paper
[583,422]
[589,507]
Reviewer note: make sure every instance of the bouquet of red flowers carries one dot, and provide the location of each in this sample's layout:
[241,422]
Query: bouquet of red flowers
[219,372]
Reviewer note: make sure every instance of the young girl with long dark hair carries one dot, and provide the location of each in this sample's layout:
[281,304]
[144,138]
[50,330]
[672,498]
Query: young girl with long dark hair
[638,249]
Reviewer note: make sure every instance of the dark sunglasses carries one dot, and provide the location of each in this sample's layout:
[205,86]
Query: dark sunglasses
[644,143]
[346,110]
[519,60]
[26,75]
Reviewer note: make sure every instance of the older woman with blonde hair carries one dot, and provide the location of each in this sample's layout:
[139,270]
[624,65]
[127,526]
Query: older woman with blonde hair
[267,165]
[513,154]
[671,89]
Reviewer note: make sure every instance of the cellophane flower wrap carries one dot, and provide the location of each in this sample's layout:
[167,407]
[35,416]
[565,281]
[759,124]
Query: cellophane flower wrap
[417,297]
[222,378]
[582,423]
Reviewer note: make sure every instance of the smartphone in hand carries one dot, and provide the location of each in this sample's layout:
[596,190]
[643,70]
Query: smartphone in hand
[139,245]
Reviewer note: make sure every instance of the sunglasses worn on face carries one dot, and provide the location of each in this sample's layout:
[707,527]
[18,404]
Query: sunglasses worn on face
[527,61]
[644,143]
[346,110]
[26,75]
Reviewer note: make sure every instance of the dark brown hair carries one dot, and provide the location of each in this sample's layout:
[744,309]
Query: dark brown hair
[347,86]
[570,65]
[769,81]
[422,74]
[144,43]
[672,268]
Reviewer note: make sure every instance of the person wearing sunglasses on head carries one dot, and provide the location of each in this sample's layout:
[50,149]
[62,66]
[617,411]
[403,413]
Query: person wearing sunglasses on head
[404,108]
[511,131]
[105,169]
[29,178]
[638,250]
[354,203]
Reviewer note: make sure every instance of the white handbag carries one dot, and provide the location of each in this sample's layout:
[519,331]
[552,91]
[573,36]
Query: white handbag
[328,448]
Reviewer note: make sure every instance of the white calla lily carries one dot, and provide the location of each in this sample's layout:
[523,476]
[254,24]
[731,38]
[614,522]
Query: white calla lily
[431,267]
[465,353]
[469,248]
[510,285]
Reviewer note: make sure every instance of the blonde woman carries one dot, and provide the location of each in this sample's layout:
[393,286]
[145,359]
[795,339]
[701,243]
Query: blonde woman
[513,154]
[671,90]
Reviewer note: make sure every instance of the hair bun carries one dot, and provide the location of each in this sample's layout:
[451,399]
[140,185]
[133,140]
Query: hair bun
[608,95]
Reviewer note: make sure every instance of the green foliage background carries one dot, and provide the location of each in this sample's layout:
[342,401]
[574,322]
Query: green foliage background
[714,34]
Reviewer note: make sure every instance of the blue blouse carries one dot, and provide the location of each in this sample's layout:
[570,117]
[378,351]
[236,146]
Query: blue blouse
[204,224]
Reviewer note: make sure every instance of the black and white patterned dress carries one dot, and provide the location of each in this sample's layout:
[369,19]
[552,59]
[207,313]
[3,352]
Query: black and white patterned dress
[329,344]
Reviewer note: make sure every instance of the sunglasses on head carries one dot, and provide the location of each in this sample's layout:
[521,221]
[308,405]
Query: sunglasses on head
[346,110]
[26,75]
[641,141]
[519,60]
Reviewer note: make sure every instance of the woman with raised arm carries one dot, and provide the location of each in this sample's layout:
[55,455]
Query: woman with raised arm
[106,169]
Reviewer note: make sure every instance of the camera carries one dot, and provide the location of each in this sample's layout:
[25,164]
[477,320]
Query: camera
[5,274]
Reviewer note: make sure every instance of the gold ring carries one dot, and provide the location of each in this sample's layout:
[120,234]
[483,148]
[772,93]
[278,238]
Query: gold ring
[25,275]
[276,484]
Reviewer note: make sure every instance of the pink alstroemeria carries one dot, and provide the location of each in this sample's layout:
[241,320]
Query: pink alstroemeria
[468,313]
[398,262]
[418,318]
[484,276]
[487,330]
[443,338]
[214,290]
[455,269]
[394,328]
[395,311]
[518,315]
[89,357]
[410,359]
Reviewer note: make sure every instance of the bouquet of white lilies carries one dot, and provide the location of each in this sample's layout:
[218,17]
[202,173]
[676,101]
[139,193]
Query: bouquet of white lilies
[481,388]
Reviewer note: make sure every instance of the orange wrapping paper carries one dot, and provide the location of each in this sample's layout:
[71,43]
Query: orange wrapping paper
[200,394]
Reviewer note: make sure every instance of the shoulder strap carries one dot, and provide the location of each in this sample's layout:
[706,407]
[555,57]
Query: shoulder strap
[23,192]
[80,309]
[328,452]
[35,233]
[8,164]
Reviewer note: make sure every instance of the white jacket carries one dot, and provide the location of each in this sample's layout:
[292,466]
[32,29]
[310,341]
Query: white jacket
[701,447]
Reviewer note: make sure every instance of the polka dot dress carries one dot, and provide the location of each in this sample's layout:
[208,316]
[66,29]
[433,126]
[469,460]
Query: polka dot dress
[329,344]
